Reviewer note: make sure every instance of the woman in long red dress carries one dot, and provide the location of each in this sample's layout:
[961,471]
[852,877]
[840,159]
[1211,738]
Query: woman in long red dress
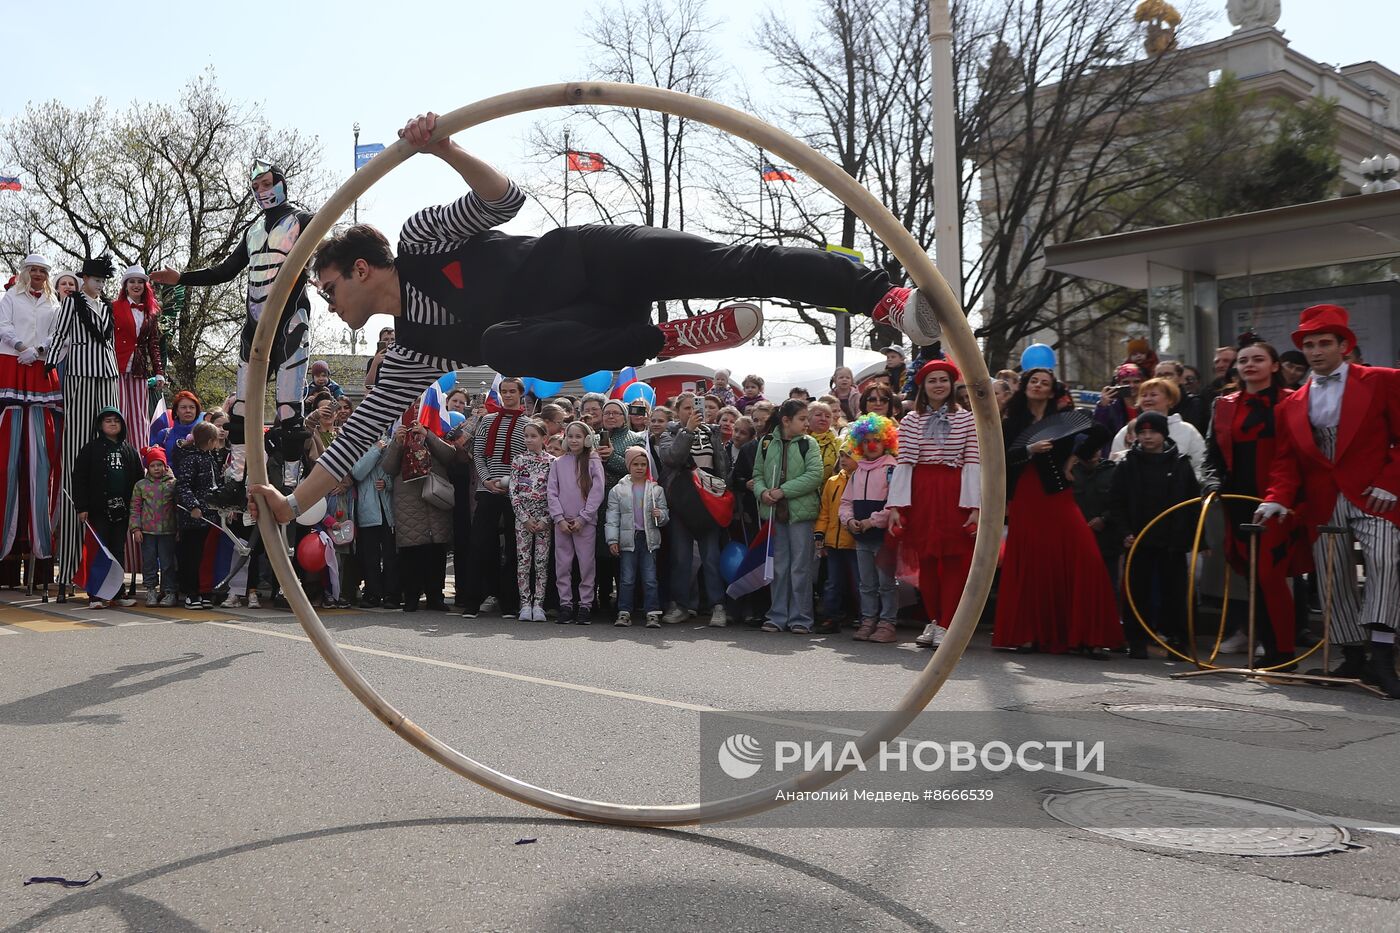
[1055,593]
[937,489]
[1240,453]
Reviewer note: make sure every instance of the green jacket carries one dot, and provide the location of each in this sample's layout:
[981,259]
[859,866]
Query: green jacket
[804,475]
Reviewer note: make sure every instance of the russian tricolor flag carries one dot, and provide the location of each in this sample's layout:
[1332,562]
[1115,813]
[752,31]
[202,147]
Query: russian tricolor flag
[432,409]
[493,398]
[756,570]
[161,420]
[625,377]
[99,575]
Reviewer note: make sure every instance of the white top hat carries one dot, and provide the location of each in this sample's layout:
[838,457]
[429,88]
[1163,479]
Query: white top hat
[133,272]
[34,259]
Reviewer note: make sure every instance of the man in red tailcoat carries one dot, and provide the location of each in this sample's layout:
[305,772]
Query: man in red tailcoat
[1338,463]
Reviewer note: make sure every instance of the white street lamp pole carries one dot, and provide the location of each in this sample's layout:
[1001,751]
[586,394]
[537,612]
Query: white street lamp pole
[947,237]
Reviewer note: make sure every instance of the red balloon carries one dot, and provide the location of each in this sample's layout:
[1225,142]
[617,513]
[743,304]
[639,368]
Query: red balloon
[311,554]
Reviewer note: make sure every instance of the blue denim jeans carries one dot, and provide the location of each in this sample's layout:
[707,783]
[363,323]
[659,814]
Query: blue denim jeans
[877,585]
[840,577]
[628,563]
[794,571]
[683,545]
[158,563]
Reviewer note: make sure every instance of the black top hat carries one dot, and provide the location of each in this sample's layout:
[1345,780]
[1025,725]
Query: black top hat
[101,267]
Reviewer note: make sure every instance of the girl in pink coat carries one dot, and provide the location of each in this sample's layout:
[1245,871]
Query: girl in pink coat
[575,493]
[865,514]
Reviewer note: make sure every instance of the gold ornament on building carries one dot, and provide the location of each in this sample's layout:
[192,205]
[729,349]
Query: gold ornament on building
[1161,19]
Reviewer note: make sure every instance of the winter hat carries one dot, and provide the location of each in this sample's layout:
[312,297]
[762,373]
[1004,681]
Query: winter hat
[1126,370]
[152,454]
[320,366]
[1153,420]
[1324,319]
[621,406]
[134,272]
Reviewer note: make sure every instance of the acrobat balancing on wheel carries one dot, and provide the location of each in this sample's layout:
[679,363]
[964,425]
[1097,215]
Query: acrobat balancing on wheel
[558,306]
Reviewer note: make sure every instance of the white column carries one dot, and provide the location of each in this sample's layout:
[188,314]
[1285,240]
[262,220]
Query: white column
[947,237]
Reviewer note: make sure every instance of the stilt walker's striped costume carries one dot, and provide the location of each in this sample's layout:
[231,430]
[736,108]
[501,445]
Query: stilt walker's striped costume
[82,338]
[31,417]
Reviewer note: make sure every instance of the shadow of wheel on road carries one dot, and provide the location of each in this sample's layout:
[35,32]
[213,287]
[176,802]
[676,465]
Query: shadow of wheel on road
[143,913]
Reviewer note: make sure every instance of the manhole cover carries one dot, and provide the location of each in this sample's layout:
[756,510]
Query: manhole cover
[1192,821]
[1208,717]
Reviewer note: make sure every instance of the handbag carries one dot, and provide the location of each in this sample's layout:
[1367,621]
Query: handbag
[343,533]
[438,492]
[715,495]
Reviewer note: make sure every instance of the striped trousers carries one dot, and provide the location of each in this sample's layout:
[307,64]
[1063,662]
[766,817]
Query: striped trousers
[134,401]
[1353,612]
[83,398]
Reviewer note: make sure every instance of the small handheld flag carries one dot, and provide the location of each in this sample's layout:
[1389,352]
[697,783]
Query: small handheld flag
[10,183]
[756,569]
[99,575]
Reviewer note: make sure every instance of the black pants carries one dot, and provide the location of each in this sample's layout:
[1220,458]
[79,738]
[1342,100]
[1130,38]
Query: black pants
[490,574]
[586,292]
[189,557]
[379,561]
[111,531]
[423,570]
[1158,584]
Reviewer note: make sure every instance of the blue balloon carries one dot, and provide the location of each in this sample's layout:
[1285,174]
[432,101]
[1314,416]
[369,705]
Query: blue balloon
[544,389]
[601,381]
[448,382]
[639,390]
[455,418]
[729,560]
[529,382]
[1037,356]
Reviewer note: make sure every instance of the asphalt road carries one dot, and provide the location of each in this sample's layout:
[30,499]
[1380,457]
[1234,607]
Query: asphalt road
[221,778]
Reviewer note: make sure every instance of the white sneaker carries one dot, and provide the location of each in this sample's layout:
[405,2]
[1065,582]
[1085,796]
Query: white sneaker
[126,601]
[719,618]
[1235,644]
[96,604]
[675,615]
[232,602]
[624,619]
[925,640]
[253,602]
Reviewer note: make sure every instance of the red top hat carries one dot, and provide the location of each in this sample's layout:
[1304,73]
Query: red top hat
[1323,319]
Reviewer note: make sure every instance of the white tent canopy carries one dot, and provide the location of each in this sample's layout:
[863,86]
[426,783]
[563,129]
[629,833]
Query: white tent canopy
[782,368]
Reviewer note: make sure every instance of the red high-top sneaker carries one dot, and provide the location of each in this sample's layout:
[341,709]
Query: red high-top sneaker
[908,310]
[730,326]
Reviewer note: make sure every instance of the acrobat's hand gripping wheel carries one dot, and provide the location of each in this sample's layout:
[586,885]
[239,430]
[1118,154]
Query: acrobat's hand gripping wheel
[957,336]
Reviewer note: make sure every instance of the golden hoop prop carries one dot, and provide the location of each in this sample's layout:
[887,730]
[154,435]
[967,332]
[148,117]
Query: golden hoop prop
[1208,665]
[957,336]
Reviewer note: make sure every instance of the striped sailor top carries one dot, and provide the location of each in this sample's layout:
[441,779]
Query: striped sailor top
[955,445]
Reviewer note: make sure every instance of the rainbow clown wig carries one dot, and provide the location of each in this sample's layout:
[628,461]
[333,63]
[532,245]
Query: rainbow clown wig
[874,428]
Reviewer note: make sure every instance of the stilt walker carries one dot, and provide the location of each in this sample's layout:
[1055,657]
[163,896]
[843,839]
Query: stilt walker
[31,418]
[136,335]
[83,339]
[1338,464]
[261,251]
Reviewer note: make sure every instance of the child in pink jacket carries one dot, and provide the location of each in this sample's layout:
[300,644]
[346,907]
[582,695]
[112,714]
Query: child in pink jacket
[874,443]
[575,492]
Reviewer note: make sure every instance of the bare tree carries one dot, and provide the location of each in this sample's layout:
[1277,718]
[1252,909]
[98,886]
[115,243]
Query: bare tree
[157,183]
[661,43]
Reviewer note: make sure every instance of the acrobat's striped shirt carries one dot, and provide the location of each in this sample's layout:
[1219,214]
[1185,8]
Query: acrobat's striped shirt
[405,373]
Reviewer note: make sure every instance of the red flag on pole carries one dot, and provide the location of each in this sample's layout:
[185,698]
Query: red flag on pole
[585,161]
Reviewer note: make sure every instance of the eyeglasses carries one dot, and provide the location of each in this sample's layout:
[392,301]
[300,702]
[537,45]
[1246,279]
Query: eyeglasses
[327,292]
[880,398]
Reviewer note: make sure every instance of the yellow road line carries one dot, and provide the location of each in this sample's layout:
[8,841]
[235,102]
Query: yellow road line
[31,621]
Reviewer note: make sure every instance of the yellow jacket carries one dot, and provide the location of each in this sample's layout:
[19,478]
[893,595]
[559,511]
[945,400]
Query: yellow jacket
[834,534]
[830,446]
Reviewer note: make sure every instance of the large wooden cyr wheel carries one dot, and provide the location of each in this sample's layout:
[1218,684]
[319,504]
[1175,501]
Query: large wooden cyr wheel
[957,337]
